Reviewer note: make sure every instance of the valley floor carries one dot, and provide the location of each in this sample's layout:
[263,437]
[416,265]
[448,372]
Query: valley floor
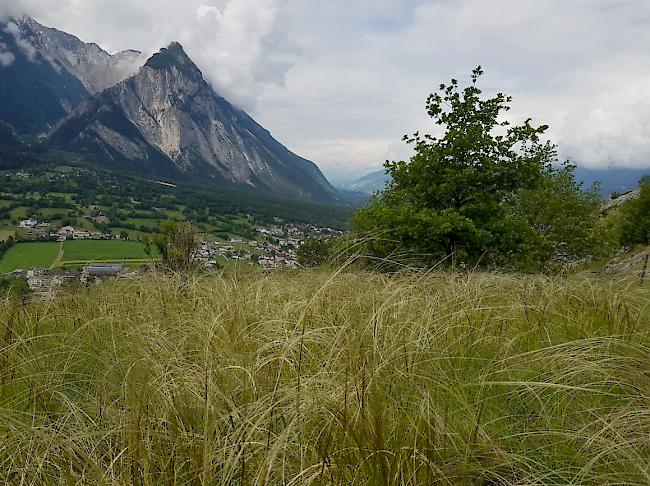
[329,378]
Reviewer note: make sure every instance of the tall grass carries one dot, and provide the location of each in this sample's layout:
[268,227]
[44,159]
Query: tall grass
[329,379]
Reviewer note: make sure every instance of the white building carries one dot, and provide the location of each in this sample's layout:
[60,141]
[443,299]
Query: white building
[28,223]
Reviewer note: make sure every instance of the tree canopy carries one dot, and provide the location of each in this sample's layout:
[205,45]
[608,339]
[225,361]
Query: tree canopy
[635,227]
[484,192]
[176,244]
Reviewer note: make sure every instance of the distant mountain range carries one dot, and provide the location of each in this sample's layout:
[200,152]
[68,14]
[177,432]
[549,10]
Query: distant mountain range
[368,184]
[155,117]
[612,180]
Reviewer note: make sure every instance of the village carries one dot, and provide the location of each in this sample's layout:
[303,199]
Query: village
[42,230]
[273,248]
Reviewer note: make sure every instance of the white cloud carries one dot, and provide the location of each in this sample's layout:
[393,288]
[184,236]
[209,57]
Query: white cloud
[240,45]
[233,44]
[23,44]
[204,10]
[6,58]
[579,66]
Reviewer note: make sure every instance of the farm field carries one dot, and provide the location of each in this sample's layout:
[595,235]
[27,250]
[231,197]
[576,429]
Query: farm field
[75,254]
[89,250]
[49,212]
[19,213]
[28,255]
[148,222]
[6,233]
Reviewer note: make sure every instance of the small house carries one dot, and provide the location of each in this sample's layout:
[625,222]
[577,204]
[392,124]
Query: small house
[28,223]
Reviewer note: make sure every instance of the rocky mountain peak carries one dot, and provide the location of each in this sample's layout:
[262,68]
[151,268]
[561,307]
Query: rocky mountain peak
[160,118]
[174,56]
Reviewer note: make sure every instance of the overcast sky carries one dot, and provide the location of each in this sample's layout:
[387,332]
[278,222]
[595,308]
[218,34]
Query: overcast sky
[341,81]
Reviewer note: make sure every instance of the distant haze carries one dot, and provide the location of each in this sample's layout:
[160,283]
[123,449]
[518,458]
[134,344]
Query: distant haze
[341,81]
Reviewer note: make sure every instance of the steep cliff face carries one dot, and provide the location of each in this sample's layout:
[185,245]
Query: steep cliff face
[168,119]
[45,74]
[156,119]
[34,94]
[94,67]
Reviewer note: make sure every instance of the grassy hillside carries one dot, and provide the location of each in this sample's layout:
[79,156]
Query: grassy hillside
[320,378]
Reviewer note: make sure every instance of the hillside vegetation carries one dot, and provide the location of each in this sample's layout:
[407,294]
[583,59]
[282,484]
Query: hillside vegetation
[332,379]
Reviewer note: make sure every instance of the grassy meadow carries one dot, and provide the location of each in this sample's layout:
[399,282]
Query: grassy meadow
[28,255]
[72,254]
[329,379]
[101,250]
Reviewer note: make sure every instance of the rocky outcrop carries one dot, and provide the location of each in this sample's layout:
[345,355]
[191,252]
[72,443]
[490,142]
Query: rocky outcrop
[45,74]
[620,200]
[94,67]
[627,263]
[167,117]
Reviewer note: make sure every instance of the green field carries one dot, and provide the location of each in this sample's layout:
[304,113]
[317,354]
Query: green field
[75,254]
[48,212]
[19,213]
[87,250]
[29,255]
[148,222]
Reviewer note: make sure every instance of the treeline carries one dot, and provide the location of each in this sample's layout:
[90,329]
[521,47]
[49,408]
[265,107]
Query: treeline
[5,245]
[635,217]
[205,206]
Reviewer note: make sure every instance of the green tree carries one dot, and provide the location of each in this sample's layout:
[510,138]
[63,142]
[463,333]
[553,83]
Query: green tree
[17,287]
[635,225]
[464,196]
[176,244]
[565,217]
[315,251]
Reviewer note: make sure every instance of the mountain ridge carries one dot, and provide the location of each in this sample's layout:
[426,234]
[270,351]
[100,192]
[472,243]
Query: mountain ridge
[47,73]
[155,117]
[612,180]
[92,65]
[167,118]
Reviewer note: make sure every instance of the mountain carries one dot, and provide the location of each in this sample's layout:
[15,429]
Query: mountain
[46,73]
[368,184]
[612,180]
[14,154]
[153,119]
[34,94]
[93,66]
[168,121]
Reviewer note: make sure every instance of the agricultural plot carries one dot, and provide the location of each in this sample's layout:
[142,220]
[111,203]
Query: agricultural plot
[49,212]
[80,251]
[149,223]
[5,234]
[19,213]
[29,255]
[75,254]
